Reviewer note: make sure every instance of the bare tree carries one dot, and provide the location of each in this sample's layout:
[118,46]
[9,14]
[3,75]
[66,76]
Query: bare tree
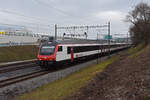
[140,19]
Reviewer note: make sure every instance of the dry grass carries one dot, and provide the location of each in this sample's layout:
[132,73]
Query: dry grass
[66,86]
[135,49]
[15,53]
[134,52]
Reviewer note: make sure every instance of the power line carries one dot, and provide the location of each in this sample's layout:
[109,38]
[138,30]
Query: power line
[19,14]
[23,26]
[86,27]
[50,6]
[15,13]
[13,25]
[80,27]
[29,23]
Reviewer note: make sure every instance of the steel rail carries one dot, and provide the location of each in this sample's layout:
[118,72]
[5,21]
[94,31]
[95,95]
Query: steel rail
[20,78]
[4,65]
[13,80]
[16,67]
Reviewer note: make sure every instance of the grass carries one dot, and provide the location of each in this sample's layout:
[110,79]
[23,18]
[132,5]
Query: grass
[136,51]
[66,86]
[16,53]
[147,48]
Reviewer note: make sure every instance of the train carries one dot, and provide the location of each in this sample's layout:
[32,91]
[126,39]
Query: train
[62,51]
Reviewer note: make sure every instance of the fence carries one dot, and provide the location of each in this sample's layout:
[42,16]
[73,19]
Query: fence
[17,44]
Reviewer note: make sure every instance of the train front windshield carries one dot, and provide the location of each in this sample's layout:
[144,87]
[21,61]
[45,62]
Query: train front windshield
[47,50]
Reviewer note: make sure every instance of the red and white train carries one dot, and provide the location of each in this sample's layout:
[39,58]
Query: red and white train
[72,50]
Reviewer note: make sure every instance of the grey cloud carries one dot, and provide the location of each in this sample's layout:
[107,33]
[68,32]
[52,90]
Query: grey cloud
[69,11]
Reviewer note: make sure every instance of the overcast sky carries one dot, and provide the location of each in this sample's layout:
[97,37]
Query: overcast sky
[38,14]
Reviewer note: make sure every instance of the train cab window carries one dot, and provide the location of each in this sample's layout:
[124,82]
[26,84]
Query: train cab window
[47,50]
[60,49]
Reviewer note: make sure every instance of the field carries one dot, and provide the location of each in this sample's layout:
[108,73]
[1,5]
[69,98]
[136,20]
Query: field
[16,53]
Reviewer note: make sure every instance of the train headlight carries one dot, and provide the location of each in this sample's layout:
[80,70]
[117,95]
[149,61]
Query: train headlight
[45,57]
[50,59]
[40,59]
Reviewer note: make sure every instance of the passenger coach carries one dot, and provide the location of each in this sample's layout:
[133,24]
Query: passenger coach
[61,51]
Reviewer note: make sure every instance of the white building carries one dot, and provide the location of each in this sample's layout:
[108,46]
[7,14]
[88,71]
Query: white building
[21,36]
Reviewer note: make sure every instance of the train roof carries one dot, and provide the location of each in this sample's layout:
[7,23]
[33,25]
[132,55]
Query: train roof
[68,42]
[76,41]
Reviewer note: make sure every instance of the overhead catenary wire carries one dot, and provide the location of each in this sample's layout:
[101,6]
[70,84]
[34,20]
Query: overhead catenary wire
[52,7]
[48,5]
[23,26]
[22,15]
[22,23]
[79,27]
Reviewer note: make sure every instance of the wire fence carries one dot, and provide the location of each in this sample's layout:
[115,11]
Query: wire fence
[17,44]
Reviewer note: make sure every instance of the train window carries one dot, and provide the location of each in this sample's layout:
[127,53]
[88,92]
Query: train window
[60,48]
[78,49]
[68,50]
[47,50]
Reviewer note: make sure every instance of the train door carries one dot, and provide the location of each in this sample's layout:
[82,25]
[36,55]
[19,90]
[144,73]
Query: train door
[102,50]
[60,53]
[71,54]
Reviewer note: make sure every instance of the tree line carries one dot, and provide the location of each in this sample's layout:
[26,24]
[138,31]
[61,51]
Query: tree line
[139,18]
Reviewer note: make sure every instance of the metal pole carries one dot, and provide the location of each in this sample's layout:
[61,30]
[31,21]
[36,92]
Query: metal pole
[87,32]
[109,38]
[127,37]
[55,31]
[74,32]
[98,50]
[127,40]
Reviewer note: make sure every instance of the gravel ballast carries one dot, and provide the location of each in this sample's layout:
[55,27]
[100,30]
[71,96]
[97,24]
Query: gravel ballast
[9,92]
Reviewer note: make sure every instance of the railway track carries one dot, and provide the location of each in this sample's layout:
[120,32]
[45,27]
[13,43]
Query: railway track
[23,77]
[16,63]
[14,67]
[20,78]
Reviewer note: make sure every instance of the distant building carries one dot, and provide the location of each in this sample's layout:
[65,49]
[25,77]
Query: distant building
[19,36]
